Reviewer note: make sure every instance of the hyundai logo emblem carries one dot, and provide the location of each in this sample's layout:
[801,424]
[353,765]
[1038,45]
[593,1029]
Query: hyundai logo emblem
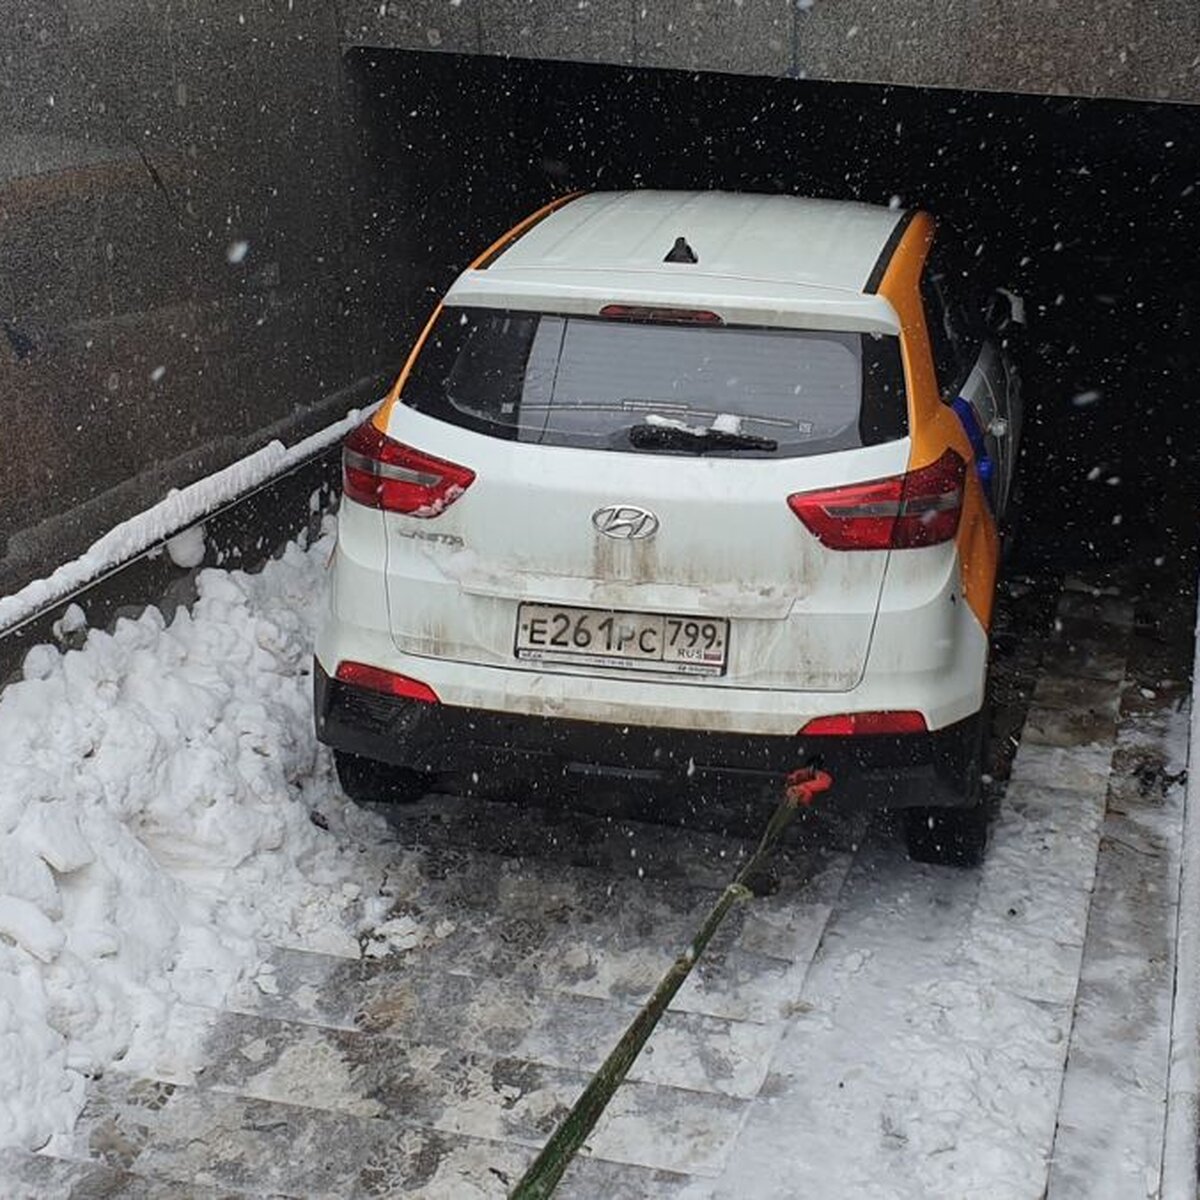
[625,521]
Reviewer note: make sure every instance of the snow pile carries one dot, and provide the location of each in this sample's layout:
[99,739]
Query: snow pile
[155,797]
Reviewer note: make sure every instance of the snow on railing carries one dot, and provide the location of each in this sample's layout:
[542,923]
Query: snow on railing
[175,512]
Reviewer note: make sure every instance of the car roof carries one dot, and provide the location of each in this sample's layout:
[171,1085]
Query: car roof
[829,243]
[778,259]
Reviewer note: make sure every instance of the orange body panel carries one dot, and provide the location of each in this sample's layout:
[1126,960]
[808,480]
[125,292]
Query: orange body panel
[384,411]
[933,425]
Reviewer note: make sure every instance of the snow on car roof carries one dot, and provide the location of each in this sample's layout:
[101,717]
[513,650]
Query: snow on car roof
[785,239]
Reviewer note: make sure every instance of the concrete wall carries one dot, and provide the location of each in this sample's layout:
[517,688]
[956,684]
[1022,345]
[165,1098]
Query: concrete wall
[1135,49]
[180,274]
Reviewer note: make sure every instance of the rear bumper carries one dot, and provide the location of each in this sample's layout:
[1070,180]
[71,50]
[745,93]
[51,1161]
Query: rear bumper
[893,771]
[928,652]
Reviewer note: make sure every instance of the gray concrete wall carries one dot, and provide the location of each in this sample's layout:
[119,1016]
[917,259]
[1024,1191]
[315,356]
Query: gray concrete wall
[142,142]
[1134,49]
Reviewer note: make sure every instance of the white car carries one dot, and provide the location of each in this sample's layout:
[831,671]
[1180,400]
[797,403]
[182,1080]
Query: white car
[683,484]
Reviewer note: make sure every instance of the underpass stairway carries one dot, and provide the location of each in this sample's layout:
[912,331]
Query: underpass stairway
[522,940]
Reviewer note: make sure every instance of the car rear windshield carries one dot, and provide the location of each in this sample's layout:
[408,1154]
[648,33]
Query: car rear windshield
[659,388]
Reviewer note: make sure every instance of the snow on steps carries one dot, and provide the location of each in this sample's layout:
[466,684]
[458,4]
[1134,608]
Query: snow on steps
[928,1055]
[1110,1138]
[881,1029]
[467,1044]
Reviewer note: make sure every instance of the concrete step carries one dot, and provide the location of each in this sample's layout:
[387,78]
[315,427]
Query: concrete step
[1109,1140]
[933,1025]
[28,1176]
[324,1113]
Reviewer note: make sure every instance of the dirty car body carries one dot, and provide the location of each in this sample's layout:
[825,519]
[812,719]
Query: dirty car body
[684,483]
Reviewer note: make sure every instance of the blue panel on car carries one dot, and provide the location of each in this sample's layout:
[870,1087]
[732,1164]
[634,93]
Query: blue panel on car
[983,464]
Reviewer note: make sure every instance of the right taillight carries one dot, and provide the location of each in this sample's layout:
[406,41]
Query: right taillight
[865,724]
[920,508]
[383,473]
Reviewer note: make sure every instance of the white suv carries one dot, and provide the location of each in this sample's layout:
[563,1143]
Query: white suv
[683,483]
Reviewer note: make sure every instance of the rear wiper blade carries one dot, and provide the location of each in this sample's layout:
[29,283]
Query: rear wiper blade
[676,437]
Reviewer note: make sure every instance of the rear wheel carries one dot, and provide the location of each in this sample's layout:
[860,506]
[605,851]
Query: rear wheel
[955,836]
[365,779]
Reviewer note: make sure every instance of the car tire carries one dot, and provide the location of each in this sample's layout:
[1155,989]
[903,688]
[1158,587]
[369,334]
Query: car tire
[365,780]
[954,836]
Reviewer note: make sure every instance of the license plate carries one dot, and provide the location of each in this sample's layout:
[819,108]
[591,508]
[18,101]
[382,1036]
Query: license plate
[602,638]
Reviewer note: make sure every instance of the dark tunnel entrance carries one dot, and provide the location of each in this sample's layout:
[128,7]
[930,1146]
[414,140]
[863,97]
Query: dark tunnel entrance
[1086,209]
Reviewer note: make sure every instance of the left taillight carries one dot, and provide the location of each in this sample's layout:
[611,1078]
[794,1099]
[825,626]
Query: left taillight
[380,472]
[389,683]
[921,508]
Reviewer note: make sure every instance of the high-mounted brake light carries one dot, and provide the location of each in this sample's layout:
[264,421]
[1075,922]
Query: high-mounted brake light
[865,723]
[380,472]
[661,316]
[921,508]
[390,683]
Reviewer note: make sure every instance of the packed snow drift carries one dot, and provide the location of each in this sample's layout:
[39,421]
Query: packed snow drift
[157,798]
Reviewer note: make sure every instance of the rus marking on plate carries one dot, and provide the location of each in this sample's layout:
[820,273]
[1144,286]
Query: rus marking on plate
[625,521]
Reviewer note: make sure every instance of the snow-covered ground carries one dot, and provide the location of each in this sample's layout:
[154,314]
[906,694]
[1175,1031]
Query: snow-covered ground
[156,788]
[217,974]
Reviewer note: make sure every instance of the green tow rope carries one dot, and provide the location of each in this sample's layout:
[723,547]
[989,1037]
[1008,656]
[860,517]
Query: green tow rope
[548,1168]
